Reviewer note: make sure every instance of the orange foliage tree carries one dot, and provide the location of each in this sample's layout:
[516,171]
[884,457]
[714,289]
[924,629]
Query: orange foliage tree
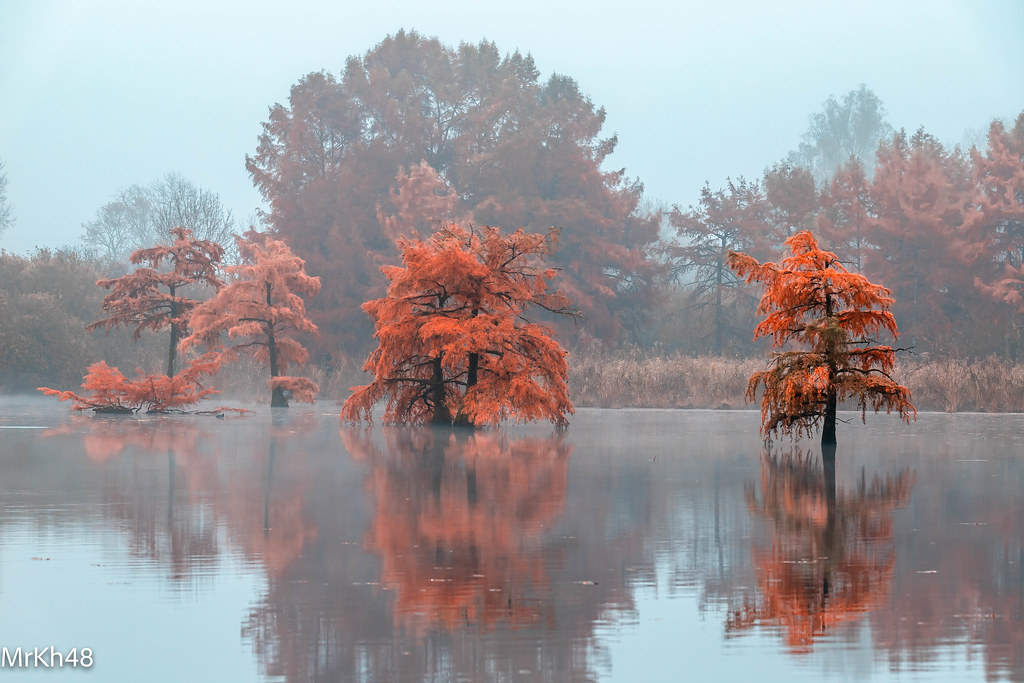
[111,392]
[811,299]
[847,208]
[454,340]
[791,199]
[994,226]
[150,299]
[262,310]
[918,194]
[516,150]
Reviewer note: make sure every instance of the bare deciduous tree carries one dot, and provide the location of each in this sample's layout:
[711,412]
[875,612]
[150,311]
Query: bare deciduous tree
[142,215]
[853,126]
[6,211]
[121,226]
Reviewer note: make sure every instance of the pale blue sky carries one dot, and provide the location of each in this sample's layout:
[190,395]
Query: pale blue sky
[100,95]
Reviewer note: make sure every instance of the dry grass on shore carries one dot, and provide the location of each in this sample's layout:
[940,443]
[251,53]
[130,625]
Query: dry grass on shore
[640,380]
[637,379]
[953,385]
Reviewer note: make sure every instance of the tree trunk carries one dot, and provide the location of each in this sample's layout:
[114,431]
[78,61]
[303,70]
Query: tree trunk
[442,415]
[175,334]
[172,351]
[719,276]
[472,372]
[828,429]
[471,378]
[277,397]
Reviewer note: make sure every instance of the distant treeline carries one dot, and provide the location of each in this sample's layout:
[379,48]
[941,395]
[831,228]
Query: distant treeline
[46,300]
[475,136]
[943,229]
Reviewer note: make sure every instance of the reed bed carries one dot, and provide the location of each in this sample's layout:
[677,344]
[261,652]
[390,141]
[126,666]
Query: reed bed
[632,378]
[989,385]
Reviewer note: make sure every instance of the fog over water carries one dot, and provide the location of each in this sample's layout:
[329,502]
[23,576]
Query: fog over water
[648,545]
[102,95]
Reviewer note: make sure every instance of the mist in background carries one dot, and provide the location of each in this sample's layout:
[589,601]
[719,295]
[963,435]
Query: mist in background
[103,95]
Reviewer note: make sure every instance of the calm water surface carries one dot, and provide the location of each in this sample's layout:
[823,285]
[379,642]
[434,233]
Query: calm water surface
[635,546]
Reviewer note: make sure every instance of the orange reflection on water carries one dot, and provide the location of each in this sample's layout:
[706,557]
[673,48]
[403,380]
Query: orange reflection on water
[831,555]
[459,519]
[107,437]
[264,518]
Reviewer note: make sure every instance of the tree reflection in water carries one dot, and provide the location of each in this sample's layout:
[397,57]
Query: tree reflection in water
[106,437]
[831,552]
[425,556]
[459,576]
[187,543]
[459,521]
[180,518]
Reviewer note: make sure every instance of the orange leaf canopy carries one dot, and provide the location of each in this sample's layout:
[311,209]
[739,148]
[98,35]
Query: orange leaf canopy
[993,224]
[109,391]
[454,334]
[811,300]
[262,311]
[151,298]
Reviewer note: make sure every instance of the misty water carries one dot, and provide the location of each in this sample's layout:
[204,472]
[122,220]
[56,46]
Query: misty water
[638,545]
